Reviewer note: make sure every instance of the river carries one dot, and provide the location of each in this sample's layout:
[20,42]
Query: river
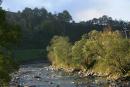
[41,75]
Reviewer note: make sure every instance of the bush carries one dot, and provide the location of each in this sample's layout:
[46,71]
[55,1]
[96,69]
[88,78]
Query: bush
[105,52]
[60,51]
[7,66]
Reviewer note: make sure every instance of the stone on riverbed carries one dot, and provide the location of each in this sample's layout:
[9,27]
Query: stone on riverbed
[50,78]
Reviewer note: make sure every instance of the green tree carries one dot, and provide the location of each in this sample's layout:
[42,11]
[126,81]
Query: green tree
[64,16]
[60,51]
[9,35]
[77,53]
[108,48]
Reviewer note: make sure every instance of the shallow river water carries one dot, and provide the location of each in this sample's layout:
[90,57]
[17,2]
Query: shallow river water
[41,75]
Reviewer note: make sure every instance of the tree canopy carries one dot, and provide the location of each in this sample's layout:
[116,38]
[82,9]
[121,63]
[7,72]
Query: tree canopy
[9,35]
[39,26]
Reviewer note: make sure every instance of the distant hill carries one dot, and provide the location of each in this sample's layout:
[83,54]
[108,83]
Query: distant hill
[39,26]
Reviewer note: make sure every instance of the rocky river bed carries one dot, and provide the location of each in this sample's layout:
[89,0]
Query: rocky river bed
[42,75]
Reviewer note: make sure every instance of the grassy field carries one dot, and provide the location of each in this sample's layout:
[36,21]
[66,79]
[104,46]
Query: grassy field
[27,55]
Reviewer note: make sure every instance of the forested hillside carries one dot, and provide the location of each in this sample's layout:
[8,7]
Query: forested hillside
[39,26]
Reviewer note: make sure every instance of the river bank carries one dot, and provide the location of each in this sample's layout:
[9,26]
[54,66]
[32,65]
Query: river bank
[91,73]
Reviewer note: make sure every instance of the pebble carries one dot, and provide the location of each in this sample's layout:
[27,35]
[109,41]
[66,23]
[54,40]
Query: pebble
[46,76]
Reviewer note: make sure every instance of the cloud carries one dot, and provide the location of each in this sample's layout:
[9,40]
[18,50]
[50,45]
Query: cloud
[15,5]
[118,9]
[88,14]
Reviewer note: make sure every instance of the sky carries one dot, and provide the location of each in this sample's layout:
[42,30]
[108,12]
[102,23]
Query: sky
[80,10]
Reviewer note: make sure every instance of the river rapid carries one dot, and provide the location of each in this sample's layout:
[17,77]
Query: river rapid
[42,75]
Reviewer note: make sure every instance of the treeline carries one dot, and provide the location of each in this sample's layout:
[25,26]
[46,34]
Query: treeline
[9,35]
[39,26]
[104,53]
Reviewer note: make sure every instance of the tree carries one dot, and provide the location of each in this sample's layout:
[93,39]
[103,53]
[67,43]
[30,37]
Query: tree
[64,16]
[9,34]
[108,48]
[77,53]
[60,51]
[7,66]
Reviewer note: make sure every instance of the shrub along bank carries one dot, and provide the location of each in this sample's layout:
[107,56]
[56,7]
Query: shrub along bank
[104,53]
